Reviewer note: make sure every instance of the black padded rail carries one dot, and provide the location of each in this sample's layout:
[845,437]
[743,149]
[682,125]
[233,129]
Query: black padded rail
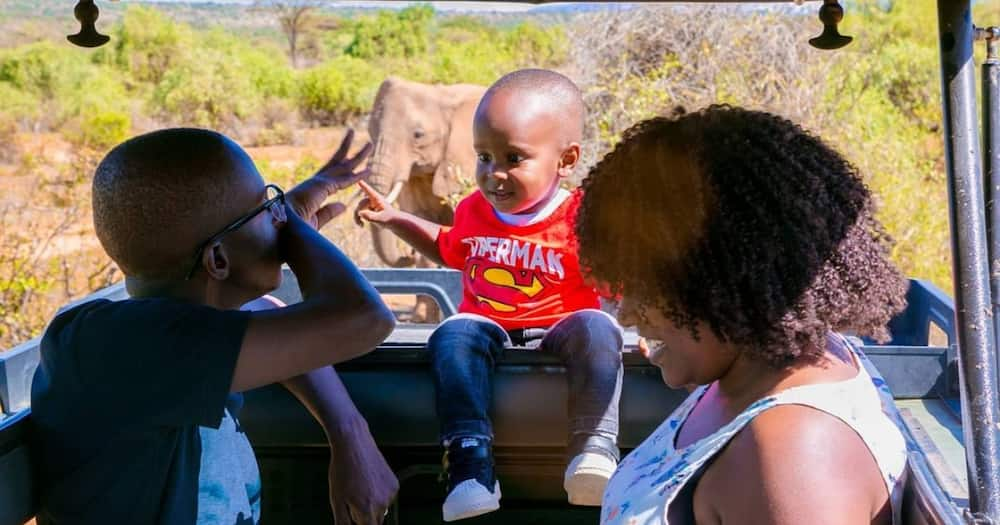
[18,498]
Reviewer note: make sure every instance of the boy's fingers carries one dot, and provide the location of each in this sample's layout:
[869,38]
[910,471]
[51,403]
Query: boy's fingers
[345,146]
[367,215]
[328,212]
[337,160]
[375,200]
[362,206]
[372,193]
[361,156]
[353,177]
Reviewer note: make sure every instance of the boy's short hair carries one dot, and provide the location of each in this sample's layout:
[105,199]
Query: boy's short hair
[561,93]
[156,196]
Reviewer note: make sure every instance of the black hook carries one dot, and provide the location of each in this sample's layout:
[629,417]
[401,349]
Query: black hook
[830,14]
[87,12]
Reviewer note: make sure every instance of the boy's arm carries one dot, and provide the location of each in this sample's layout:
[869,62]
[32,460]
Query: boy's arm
[419,233]
[341,315]
[362,485]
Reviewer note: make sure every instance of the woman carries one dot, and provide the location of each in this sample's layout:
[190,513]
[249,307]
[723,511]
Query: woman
[740,244]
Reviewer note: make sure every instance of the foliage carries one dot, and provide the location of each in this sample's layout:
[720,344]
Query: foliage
[338,89]
[403,33]
[147,44]
[45,259]
[177,75]
[19,105]
[466,59]
[210,92]
[102,130]
[877,100]
[43,84]
[885,98]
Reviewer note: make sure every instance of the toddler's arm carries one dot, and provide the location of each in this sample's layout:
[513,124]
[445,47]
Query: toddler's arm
[417,232]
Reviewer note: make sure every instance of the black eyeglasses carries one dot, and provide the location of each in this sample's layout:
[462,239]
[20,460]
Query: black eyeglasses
[275,203]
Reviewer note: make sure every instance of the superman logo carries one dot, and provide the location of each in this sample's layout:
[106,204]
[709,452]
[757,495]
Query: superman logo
[502,287]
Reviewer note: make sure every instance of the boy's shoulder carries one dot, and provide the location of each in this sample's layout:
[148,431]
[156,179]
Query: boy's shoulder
[129,319]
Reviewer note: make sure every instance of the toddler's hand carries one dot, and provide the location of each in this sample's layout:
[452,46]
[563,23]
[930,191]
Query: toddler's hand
[373,208]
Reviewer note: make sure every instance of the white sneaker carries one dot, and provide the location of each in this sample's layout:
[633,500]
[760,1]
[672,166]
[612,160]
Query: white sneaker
[586,477]
[470,498]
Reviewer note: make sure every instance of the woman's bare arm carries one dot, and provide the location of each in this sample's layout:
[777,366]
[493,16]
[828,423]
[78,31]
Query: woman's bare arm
[792,465]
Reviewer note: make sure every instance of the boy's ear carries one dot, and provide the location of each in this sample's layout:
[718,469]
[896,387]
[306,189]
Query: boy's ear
[216,262]
[569,159]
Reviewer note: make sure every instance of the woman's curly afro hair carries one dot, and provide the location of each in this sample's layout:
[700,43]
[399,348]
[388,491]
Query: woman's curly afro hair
[744,221]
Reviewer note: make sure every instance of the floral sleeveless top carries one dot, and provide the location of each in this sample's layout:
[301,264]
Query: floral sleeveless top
[652,476]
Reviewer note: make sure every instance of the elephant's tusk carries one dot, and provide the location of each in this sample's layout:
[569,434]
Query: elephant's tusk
[394,192]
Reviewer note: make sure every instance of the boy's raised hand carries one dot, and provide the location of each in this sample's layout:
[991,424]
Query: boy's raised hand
[308,199]
[374,207]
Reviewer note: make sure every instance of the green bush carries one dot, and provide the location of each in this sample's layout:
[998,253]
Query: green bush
[404,33]
[213,91]
[42,68]
[338,89]
[98,88]
[19,106]
[101,130]
[46,84]
[529,43]
[147,44]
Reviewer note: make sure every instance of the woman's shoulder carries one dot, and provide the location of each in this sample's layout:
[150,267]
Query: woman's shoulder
[793,460]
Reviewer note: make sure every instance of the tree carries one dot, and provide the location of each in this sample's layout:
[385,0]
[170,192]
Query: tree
[295,18]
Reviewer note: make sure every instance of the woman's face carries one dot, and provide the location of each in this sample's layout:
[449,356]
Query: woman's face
[683,359]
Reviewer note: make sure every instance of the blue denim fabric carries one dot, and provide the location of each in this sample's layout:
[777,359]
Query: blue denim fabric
[464,351]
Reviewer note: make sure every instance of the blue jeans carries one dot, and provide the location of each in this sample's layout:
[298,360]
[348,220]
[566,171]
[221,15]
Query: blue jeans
[464,350]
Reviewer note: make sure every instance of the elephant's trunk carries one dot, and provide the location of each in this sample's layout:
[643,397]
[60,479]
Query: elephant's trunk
[386,244]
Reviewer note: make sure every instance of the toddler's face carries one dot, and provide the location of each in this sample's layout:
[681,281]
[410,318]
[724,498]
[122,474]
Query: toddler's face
[519,151]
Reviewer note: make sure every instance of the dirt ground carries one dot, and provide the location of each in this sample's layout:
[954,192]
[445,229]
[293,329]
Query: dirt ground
[320,143]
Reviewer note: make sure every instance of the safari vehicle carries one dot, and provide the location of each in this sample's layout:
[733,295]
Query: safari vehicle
[941,365]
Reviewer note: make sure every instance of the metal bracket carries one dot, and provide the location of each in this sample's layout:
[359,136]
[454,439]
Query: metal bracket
[992,37]
[831,13]
[86,12]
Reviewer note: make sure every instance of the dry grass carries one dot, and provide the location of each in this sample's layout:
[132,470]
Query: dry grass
[637,63]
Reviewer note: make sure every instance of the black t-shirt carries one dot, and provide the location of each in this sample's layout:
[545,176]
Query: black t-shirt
[117,400]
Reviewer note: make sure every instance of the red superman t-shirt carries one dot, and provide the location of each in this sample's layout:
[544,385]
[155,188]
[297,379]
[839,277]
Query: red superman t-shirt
[519,276]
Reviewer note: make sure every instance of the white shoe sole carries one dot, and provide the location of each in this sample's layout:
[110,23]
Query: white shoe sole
[482,503]
[585,483]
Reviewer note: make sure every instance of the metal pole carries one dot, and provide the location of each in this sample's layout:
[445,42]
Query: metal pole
[973,307]
[991,157]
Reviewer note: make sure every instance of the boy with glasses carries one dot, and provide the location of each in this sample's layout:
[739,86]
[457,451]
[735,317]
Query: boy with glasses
[135,402]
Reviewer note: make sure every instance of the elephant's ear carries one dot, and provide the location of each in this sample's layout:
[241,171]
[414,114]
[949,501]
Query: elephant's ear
[458,164]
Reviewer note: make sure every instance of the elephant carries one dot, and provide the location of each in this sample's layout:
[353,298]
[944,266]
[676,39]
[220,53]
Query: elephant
[423,155]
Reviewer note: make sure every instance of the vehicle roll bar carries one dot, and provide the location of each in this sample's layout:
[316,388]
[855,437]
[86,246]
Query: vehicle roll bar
[970,259]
